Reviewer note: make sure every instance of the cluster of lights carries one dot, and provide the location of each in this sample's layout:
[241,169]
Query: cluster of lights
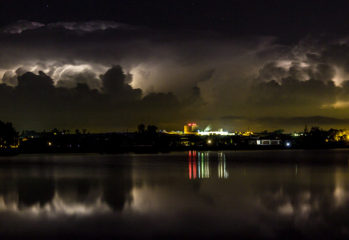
[223,133]
[341,135]
[192,128]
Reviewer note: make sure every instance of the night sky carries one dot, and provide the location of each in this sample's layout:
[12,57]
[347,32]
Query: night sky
[110,65]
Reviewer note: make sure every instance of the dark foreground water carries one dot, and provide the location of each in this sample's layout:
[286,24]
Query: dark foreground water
[198,195]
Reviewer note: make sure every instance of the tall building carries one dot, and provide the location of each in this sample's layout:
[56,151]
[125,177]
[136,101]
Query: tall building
[190,128]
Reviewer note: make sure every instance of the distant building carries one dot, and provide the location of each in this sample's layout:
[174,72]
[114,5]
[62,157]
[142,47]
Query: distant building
[190,128]
[266,142]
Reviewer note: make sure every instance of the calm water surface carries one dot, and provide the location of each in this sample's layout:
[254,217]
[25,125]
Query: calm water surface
[194,195]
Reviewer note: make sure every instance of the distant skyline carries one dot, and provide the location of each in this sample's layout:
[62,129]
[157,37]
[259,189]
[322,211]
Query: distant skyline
[237,65]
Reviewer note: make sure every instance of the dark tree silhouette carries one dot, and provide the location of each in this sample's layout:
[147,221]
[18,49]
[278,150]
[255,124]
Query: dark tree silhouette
[151,129]
[141,128]
[8,135]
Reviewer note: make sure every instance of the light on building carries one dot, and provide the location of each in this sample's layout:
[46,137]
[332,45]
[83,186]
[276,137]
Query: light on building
[209,141]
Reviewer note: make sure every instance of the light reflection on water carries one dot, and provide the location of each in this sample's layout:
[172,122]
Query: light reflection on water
[222,166]
[199,165]
[246,194]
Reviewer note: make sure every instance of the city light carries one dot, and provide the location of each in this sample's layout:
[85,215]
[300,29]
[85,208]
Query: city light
[222,133]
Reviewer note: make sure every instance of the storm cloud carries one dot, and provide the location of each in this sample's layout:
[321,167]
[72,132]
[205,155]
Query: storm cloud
[105,75]
[37,103]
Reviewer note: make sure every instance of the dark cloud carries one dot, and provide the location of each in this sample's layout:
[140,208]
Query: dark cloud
[323,72]
[35,102]
[271,72]
[89,26]
[294,93]
[70,80]
[21,26]
[114,84]
[337,54]
[306,82]
[9,78]
[31,82]
[304,121]
[170,77]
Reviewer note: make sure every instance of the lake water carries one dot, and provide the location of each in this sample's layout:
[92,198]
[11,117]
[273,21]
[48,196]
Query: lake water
[286,194]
